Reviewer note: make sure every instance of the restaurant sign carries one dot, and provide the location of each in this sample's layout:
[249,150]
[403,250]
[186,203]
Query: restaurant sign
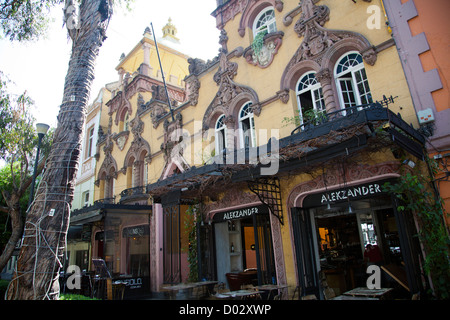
[345,194]
[240,213]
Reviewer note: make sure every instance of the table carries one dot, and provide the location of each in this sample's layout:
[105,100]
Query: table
[204,285]
[368,293]
[242,294]
[344,297]
[270,288]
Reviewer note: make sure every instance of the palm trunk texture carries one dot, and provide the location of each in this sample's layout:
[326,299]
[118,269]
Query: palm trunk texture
[46,225]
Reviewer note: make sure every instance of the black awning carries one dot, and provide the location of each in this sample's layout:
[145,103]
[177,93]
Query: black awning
[328,140]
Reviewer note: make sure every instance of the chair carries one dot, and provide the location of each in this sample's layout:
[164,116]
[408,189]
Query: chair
[234,281]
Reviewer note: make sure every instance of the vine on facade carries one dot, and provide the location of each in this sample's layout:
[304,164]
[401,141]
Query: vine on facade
[412,190]
[190,225]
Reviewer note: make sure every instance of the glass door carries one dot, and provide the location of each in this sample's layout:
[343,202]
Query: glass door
[305,252]
[264,249]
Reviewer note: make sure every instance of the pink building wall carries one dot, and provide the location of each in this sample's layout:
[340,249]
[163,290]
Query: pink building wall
[421,30]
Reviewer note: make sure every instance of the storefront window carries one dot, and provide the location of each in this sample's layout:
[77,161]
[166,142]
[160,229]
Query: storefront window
[126,249]
[137,250]
[243,250]
[339,233]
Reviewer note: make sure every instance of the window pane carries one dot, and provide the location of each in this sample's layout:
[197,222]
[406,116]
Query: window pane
[363,86]
[266,21]
[318,99]
[348,94]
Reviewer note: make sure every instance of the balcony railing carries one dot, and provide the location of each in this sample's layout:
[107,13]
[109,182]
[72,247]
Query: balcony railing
[135,193]
[106,201]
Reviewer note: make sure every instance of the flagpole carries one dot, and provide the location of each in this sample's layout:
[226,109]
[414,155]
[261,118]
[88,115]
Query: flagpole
[162,72]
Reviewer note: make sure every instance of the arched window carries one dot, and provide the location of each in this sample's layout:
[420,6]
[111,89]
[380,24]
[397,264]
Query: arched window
[221,134]
[351,81]
[309,97]
[247,126]
[265,21]
[126,122]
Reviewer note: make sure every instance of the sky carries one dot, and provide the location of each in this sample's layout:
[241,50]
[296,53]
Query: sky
[40,67]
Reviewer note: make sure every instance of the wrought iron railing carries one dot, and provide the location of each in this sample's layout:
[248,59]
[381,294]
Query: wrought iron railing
[133,193]
[105,201]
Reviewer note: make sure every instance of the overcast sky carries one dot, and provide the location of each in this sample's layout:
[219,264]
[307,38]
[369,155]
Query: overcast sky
[40,67]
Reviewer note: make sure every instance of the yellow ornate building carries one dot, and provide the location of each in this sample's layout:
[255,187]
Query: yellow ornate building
[266,165]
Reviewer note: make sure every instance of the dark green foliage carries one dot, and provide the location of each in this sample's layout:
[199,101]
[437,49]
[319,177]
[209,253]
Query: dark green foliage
[413,191]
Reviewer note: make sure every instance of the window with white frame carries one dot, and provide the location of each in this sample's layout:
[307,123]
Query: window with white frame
[351,81]
[221,134]
[90,143]
[247,126]
[265,21]
[309,97]
[86,198]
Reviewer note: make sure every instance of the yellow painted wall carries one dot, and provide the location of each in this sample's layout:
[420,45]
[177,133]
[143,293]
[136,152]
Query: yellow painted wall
[385,78]
[174,63]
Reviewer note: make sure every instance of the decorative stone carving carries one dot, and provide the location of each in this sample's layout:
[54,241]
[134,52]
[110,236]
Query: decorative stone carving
[109,164]
[192,89]
[223,40]
[172,137]
[283,95]
[265,56]
[121,139]
[228,91]
[139,144]
[319,43]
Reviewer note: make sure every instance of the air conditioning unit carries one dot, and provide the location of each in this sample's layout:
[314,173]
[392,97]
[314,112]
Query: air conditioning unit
[425,116]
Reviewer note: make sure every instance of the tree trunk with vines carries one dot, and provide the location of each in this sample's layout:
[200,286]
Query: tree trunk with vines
[40,258]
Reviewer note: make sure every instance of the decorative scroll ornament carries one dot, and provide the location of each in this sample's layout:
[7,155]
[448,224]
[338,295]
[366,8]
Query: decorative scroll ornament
[265,55]
[228,89]
[317,40]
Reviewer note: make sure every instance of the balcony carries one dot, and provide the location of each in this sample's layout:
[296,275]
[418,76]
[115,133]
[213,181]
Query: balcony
[369,127]
[134,194]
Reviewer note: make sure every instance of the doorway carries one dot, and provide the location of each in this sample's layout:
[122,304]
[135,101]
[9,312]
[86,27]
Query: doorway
[243,247]
[332,244]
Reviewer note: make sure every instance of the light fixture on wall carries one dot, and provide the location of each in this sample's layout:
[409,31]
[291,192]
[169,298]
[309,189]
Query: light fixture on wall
[350,209]
[410,163]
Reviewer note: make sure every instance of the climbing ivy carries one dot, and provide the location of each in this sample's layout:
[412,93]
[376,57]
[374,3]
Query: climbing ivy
[412,189]
[190,225]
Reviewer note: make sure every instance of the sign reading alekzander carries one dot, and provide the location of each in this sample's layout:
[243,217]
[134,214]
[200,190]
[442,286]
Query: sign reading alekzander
[240,213]
[345,194]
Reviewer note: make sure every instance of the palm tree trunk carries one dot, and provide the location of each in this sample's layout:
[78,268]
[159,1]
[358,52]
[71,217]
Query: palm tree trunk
[40,258]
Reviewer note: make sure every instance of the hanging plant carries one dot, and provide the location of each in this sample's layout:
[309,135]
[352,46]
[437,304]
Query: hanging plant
[258,42]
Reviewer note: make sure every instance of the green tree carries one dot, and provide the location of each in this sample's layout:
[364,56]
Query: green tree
[47,221]
[415,194]
[25,19]
[18,141]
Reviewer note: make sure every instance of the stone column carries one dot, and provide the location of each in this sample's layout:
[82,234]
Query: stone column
[324,76]
[145,67]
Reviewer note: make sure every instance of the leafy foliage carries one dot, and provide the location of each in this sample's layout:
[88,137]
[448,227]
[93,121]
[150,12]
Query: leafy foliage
[413,192]
[18,141]
[75,297]
[190,225]
[23,20]
[258,42]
